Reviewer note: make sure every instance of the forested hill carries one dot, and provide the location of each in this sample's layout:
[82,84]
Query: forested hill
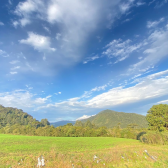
[12,116]
[111,119]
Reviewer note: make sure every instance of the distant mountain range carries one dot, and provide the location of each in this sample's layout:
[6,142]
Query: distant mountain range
[61,123]
[110,119]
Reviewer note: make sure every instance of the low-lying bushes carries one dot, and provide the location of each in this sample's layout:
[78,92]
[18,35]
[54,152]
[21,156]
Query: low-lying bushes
[155,138]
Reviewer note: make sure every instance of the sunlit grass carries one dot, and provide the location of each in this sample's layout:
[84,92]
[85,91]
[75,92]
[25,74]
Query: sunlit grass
[63,152]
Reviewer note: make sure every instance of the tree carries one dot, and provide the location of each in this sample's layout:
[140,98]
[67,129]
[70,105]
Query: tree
[44,122]
[158,117]
[79,123]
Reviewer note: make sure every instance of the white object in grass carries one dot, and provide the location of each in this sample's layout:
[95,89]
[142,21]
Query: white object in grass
[39,162]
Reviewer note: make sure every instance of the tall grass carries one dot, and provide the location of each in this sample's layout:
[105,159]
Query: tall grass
[23,152]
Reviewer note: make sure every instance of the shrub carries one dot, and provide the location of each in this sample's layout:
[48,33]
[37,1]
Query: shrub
[155,138]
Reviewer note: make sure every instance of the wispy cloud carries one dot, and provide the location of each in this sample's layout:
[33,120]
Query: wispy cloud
[13,73]
[16,67]
[14,62]
[140,3]
[1,24]
[3,53]
[156,49]
[163,102]
[120,49]
[88,59]
[147,88]
[151,24]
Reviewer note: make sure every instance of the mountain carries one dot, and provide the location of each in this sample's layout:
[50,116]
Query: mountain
[61,123]
[12,116]
[111,119]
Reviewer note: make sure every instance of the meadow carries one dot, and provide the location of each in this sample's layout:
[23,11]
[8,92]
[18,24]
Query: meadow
[67,152]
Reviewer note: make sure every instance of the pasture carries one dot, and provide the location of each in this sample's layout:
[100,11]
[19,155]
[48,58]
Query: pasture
[67,152]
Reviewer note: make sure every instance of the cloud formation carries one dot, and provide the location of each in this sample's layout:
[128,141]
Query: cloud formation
[147,88]
[120,49]
[156,50]
[39,42]
[151,24]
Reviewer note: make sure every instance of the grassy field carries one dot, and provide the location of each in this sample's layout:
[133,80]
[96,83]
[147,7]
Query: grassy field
[23,151]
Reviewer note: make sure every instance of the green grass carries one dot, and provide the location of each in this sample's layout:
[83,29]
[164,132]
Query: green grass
[63,152]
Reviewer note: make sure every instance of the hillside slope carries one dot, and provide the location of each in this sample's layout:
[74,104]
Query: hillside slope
[111,119]
[12,116]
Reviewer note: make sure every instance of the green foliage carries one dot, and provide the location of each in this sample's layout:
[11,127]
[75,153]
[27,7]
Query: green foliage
[158,117]
[155,138]
[79,123]
[111,118]
[12,116]
[44,122]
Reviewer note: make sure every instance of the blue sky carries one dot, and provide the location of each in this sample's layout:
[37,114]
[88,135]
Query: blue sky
[63,59]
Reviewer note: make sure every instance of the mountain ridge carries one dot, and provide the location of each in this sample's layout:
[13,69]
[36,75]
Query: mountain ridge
[110,119]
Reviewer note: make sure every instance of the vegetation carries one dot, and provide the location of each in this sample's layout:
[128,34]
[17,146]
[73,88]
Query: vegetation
[158,117]
[12,116]
[110,119]
[58,152]
[155,138]
[125,150]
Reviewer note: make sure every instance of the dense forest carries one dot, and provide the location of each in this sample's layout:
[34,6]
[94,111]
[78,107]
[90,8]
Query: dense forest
[10,116]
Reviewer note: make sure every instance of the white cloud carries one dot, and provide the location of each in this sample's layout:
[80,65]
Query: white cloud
[15,23]
[47,29]
[58,93]
[10,2]
[88,59]
[14,62]
[3,53]
[42,100]
[151,24]
[77,21]
[24,22]
[1,24]
[16,98]
[151,2]
[84,117]
[124,7]
[16,67]
[163,102]
[140,3]
[99,88]
[54,13]
[147,88]
[120,49]
[13,73]
[39,42]
[156,50]
[26,7]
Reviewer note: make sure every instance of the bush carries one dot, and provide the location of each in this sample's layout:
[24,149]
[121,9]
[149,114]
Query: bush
[155,138]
